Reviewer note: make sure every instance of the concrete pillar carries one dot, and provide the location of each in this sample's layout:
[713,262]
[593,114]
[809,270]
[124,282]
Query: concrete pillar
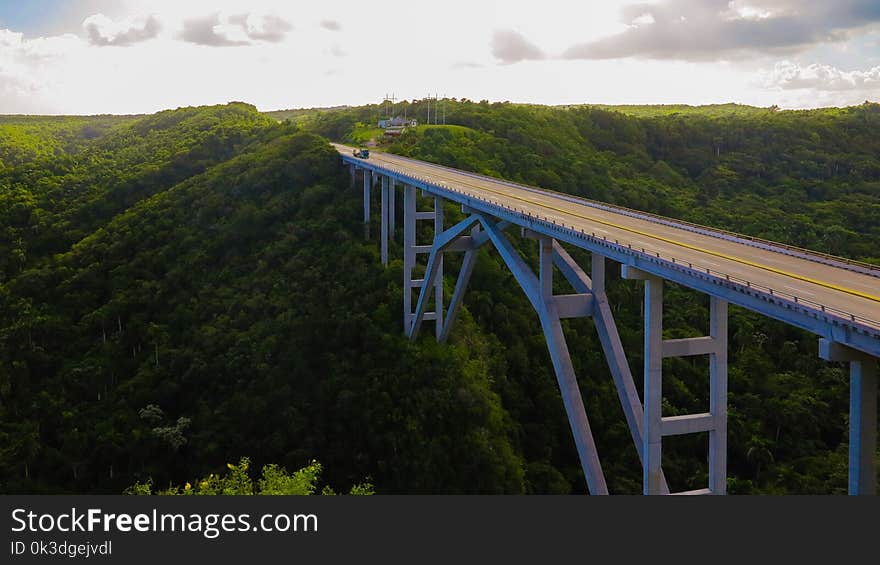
[862,426]
[862,414]
[545,270]
[367,183]
[653,391]
[392,207]
[384,214]
[409,252]
[718,396]
[438,282]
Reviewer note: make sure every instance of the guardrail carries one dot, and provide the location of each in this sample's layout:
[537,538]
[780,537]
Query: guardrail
[784,248]
[808,306]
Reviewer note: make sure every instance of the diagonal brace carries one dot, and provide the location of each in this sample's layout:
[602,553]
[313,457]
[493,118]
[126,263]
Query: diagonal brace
[559,354]
[609,338]
[441,242]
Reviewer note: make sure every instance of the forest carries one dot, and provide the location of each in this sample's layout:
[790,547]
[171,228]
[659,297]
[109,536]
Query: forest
[191,288]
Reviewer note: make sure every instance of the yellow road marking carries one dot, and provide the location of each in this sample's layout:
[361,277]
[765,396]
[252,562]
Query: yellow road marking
[672,241]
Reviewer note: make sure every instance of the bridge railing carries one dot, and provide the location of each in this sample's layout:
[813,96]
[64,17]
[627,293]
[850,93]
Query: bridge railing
[784,248]
[806,305]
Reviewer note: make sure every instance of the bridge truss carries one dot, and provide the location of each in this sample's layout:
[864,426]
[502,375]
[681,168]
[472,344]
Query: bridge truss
[843,338]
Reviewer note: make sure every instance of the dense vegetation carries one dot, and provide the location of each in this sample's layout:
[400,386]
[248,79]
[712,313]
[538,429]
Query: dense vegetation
[177,290]
[273,480]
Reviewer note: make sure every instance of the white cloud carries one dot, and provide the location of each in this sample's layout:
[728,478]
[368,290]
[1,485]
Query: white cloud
[645,19]
[28,67]
[229,30]
[788,76]
[103,31]
[263,27]
[738,10]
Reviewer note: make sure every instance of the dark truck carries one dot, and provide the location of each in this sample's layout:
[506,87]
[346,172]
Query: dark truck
[361,153]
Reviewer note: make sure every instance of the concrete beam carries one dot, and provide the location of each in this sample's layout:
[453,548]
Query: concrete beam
[695,492]
[688,424]
[631,273]
[689,346]
[836,352]
[574,305]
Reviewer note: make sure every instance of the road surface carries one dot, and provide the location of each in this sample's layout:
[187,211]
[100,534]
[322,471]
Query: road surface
[828,285]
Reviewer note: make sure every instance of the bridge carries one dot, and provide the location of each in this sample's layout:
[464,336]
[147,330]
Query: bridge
[834,298]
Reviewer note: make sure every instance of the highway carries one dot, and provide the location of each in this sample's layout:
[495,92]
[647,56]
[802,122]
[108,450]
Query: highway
[809,280]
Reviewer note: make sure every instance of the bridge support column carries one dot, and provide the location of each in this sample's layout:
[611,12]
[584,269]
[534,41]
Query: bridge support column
[862,414]
[384,214]
[612,347]
[718,396]
[433,278]
[392,207]
[453,239]
[655,426]
[368,179]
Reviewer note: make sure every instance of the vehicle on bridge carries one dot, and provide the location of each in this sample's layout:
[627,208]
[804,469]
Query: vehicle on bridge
[361,153]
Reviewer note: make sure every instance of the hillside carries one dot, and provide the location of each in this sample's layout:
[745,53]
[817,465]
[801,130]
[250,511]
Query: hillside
[181,290]
[230,311]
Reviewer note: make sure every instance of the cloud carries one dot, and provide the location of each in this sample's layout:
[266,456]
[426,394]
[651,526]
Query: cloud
[29,68]
[14,49]
[703,30]
[208,31]
[331,25]
[103,31]
[509,47]
[266,27]
[217,30]
[788,76]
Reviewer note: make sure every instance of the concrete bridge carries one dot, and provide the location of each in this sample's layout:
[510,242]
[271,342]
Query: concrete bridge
[834,298]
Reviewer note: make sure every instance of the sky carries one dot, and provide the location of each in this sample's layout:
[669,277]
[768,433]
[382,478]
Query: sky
[138,56]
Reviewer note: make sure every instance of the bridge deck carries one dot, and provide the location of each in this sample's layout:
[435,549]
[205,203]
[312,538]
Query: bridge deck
[808,279]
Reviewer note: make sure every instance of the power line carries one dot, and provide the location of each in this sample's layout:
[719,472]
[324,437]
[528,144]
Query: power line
[392,99]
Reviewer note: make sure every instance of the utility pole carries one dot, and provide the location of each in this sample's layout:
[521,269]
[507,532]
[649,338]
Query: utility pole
[389,99]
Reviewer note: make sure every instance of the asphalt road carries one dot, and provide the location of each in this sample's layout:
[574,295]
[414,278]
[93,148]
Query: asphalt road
[828,285]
